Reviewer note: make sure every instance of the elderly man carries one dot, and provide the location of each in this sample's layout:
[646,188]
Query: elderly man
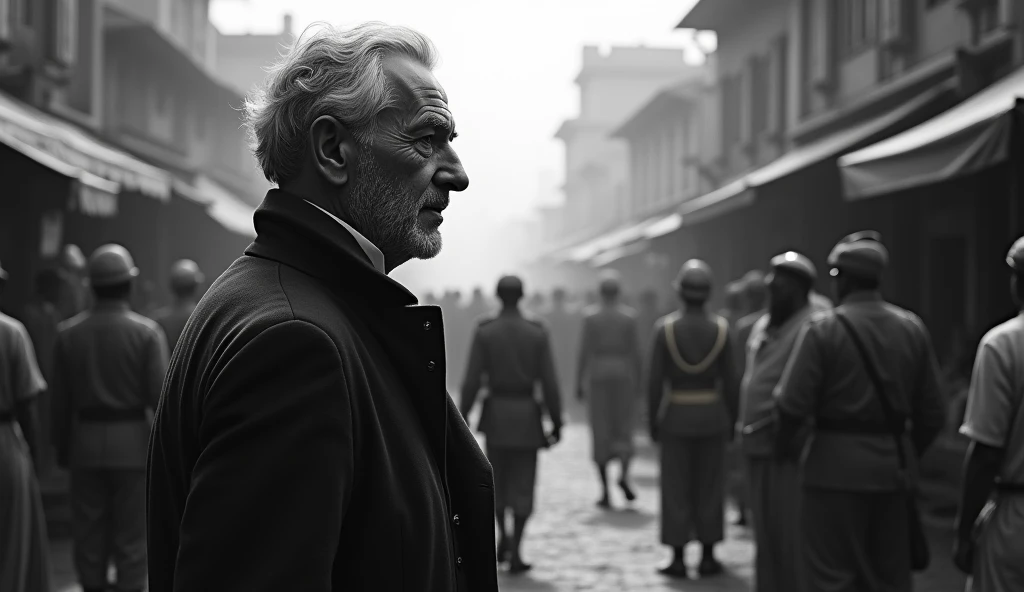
[862,371]
[185,281]
[993,486]
[513,353]
[608,370]
[305,439]
[774,486]
[692,392]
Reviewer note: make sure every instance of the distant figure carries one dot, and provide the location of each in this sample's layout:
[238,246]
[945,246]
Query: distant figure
[42,320]
[590,298]
[861,371]
[757,300]
[109,367]
[478,306]
[774,484]
[735,303]
[692,407]
[608,376]
[513,353]
[74,290]
[564,324]
[735,308]
[993,483]
[24,549]
[185,281]
[535,304]
[430,299]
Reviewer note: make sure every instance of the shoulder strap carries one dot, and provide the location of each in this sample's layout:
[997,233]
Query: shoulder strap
[703,365]
[890,414]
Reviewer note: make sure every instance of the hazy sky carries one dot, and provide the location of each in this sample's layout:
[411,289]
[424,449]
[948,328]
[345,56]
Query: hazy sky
[508,69]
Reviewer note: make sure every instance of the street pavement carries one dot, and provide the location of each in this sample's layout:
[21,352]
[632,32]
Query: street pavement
[575,546]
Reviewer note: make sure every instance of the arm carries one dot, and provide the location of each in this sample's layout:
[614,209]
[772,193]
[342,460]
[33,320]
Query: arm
[584,355]
[549,383]
[27,382]
[155,367]
[980,471]
[474,375]
[796,395]
[275,471]
[928,411]
[655,380]
[60,401]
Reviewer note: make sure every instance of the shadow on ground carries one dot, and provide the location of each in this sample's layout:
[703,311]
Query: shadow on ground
[725,581]
[523,583]
[620,518]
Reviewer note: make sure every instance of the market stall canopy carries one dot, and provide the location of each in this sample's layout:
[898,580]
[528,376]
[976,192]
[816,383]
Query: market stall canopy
[72,152]
[651,227]
[968,138]
[221,204]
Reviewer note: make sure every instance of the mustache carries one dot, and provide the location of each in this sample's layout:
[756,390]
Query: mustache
[435,199]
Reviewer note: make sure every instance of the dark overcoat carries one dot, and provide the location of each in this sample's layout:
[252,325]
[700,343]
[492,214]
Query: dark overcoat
[305,439]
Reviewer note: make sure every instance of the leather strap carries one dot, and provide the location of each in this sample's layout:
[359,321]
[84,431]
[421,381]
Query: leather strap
[703,365]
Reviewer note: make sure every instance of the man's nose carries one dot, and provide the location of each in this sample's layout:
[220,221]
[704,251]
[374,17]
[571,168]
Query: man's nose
[452,176]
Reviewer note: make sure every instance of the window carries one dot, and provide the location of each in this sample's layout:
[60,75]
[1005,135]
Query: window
[988,17]
[858,26]
[5,20]
[732,102]
[759,96]
[65,39]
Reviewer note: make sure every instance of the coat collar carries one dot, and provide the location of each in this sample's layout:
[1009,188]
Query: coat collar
[292,233]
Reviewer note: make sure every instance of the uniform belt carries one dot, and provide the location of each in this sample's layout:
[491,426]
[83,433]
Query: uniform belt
[693,397]
[1013,488]
[110,414]
[7,417]
[856,426]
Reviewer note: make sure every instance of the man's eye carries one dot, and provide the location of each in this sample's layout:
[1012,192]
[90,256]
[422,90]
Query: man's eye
[426,141]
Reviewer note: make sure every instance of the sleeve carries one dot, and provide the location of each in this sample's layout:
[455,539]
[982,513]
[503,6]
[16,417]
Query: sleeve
[655,377]
[990,400]
[549,381]
[275,469]
[928,414]
[156,361]
[26,379]
[475,369]
[798,389]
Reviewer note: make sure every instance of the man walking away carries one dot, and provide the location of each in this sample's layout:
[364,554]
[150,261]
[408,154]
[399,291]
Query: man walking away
[109,366]
[185,281]
[774,484]
[513,353]
[860,468]
[608,373]
[692,405]
[991,549]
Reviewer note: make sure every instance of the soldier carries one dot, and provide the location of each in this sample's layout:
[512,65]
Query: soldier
[991,549]
[109,368]
[608,370]
[185,281]
[74,293]
[774,487]
[861,371]
[736,308]
[514,353]
[42,318]
[563,323]
[24,553]
[735,303]
[691,359]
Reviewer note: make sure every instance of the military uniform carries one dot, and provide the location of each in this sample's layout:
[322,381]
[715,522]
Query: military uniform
[854,512]
[185,278]
[995,418]
[692,403]
[774,484]
[109,369]
[513,353]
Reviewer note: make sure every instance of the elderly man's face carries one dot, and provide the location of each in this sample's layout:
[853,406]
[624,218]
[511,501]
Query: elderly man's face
[402,181]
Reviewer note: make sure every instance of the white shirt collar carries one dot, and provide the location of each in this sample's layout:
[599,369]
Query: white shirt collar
[374,254]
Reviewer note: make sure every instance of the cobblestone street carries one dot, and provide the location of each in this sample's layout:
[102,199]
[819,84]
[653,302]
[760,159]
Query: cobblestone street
[575,546]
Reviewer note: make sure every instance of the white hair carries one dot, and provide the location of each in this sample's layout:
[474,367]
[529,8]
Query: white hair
[331,72]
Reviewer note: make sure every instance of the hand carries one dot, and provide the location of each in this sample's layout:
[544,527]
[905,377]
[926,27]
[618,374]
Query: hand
[963,555]
[555,436]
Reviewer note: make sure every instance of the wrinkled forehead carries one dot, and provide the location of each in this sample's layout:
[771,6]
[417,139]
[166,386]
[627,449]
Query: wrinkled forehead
[421,99]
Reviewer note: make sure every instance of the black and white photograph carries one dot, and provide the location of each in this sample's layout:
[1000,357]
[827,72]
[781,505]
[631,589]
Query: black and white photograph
[549,296]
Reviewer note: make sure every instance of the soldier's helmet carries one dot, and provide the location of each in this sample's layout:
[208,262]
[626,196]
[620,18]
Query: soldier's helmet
[185,275]
[694,280]
[110,265]
[510,287]
[1015,257]
[610,284]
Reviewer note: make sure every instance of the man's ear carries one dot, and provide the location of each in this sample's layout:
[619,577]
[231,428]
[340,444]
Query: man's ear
[333,148]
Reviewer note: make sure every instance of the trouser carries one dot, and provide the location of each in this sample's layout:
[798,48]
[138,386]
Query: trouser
[108,522]
[856,541]
[775,493]
[692,490]
[515,477]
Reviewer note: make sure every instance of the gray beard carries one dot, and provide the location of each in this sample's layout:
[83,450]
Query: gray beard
[387,214]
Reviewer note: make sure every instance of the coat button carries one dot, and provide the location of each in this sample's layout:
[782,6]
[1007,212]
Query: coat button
[455,519]
[426,325]
[459,561]
[430,366]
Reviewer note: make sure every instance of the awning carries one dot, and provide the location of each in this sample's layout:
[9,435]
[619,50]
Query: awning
[70,151]
[221,204]
[613,255]
[651,227]
[966,139]
[742,192]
